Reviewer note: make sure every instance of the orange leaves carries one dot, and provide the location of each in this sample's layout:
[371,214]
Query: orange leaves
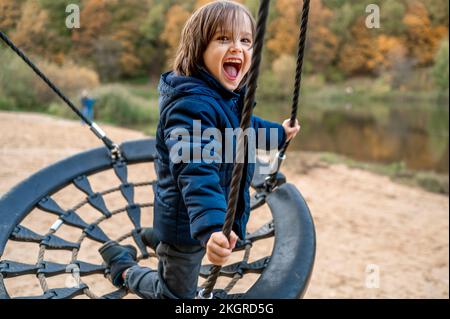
[422,38]
[135,37]
[95,20]
[30,33]
[359,54]
[390,50]
[175,20]
[285,29]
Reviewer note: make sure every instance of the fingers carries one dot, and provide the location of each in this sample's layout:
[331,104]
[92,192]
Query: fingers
[233,240]
[219,239]
[287,125]
[291,132]
[218,248]
[216,259]
[296,125]
[216,254]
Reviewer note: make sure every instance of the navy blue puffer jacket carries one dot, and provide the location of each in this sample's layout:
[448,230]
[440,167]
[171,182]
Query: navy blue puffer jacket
[191,197]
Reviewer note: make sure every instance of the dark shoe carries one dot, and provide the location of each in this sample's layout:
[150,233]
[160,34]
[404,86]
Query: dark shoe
[118,258]
[149,238]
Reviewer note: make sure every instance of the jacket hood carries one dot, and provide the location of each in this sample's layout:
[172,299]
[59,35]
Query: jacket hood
[172,86]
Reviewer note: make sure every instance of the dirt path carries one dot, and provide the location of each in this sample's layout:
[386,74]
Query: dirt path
[370,231]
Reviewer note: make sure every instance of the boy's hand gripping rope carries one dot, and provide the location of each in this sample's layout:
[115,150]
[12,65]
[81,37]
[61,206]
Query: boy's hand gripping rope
[113,147]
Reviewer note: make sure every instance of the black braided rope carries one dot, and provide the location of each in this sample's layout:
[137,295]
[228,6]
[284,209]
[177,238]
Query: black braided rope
[110,144]
[241,144]
[299,68]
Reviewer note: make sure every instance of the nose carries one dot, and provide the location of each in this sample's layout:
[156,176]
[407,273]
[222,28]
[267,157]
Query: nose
[236,47]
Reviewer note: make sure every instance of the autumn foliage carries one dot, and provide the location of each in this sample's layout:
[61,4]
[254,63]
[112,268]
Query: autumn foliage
[125,39]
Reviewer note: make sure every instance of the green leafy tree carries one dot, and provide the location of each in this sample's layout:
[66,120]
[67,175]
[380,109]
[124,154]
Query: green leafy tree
[392,13]
[61,35]
[151,29]
[438,10]
[441,67]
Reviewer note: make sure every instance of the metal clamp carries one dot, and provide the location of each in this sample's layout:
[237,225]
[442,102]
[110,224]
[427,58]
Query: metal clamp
[202,296]
[116,154]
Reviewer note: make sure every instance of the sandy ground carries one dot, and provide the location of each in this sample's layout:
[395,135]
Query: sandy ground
[375,238]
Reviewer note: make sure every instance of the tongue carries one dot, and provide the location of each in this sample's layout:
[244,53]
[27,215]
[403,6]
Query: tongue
[231,70]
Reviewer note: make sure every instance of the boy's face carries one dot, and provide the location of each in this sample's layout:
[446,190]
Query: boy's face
[228,59]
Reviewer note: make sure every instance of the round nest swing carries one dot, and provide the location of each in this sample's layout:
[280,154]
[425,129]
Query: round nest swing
[283,274]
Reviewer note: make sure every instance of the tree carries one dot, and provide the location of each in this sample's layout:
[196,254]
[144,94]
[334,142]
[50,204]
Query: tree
[392,59]
[58,37]
[114,35]
[345,15]
[392,13]
[176,17]
[31,33]
[390,51]
[9,14]
[106,56]
[126,29]
[151,29]
[284,28]
[438,10]
[441,66]
[359,55]
[95,20]
[322,42]
[422,39]
[200,3]
[284,72]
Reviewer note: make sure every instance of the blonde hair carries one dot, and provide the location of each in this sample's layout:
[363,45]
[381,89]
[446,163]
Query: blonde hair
[200,29]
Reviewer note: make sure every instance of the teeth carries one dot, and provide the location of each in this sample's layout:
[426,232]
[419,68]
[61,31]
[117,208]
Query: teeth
[233,61]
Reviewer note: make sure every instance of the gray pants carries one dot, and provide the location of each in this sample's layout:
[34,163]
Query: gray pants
[176,277]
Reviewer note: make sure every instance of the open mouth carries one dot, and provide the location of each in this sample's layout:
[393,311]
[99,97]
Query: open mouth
[232,67]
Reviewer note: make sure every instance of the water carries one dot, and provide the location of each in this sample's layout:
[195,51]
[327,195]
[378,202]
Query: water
[414,133]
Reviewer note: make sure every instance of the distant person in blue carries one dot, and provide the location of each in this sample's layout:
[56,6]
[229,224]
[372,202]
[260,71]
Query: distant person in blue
[87,104]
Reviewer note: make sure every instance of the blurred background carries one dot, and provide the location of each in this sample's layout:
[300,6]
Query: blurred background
[372,98]
[371,161]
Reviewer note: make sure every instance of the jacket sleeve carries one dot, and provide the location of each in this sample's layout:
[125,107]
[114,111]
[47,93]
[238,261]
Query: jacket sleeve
[259,123]
[198,181]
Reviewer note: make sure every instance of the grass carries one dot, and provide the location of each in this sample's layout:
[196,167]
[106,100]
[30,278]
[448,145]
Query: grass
[430,181]
[120,105]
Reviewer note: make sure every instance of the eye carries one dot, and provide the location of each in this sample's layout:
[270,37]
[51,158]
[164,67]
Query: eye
[223,38]
[246,40]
